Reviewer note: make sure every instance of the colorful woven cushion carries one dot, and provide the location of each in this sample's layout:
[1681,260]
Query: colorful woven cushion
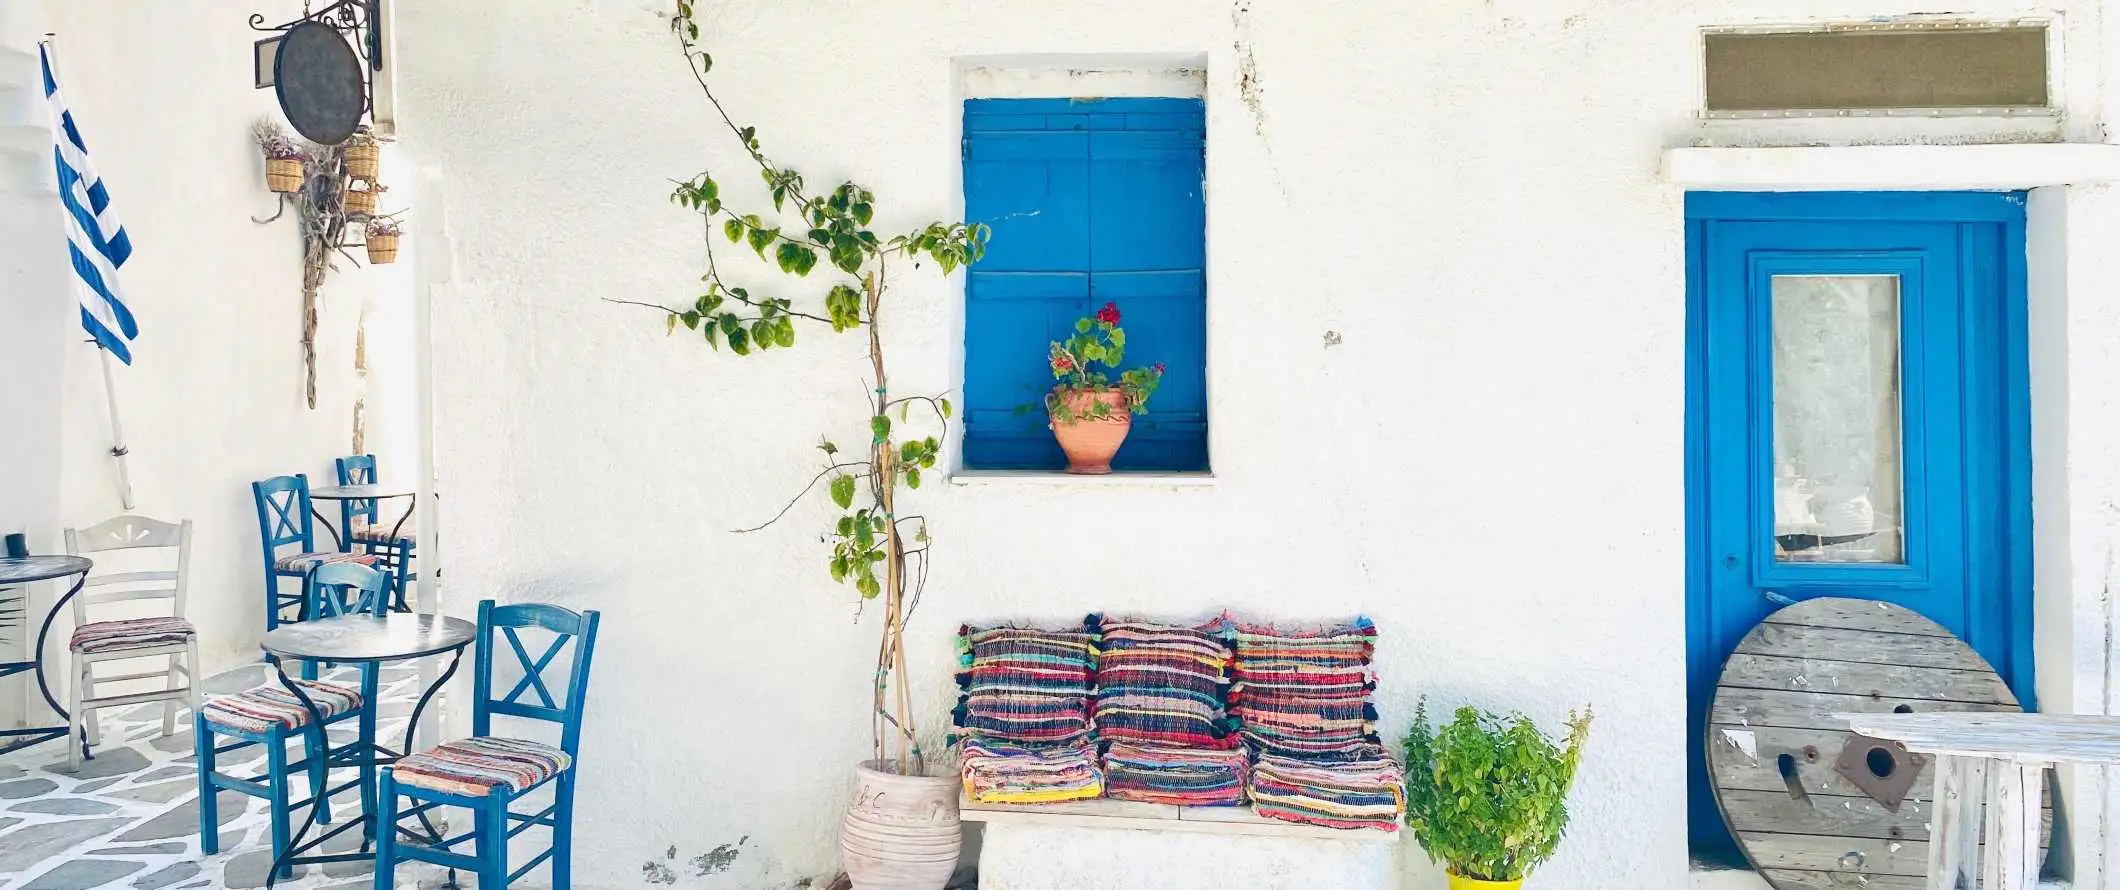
[264,707]
[474,767]
[1027,686]
[379,533]
[1305,693]
[131,633]
[1368,791]
[1161,685]
[1002,772]
[302,562]
[1187,778]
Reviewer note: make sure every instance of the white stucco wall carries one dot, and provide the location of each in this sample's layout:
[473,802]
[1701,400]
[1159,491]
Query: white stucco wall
[1488,461]
[213,401]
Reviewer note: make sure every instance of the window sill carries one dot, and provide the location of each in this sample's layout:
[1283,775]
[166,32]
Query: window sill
[1057,479]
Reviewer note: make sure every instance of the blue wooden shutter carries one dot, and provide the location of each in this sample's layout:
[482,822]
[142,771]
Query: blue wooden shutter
[1090,202]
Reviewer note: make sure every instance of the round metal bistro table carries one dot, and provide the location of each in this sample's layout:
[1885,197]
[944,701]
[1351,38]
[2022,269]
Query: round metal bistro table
[24,570]
[367,640]
[377,493]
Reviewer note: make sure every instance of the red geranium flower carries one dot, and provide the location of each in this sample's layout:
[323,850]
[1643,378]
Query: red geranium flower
[1159,367]
[1109,314]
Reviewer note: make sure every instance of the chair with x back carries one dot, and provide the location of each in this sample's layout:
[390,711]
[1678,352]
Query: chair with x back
[367,528]
[287,532]
[489,773]
[271,716]
[164,550]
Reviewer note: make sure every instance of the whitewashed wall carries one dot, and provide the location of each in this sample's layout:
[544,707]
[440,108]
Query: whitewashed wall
[163,94]
[1447,348]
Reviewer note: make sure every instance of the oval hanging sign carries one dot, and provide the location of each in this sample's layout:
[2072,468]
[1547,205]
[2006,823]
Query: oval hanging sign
[317,78]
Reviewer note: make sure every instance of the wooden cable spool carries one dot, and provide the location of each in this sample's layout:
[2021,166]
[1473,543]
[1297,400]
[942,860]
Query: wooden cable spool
[1813,805]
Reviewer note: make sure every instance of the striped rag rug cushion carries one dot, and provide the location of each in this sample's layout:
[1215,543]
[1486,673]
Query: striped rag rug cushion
[1306,693]
[1026,686]
[474,767]
[379,533]
[130,633]
[302,562]
[1002,772]
[1367,792]
[259,709]
[1178,776]
[1162,685]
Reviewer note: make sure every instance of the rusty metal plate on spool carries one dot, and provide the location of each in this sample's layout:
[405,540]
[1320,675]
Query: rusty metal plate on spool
[1813,805]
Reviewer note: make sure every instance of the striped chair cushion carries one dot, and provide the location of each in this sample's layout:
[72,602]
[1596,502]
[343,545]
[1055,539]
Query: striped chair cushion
[473,767]
[264,707]
[132,633]
[379,533]
[1162,685]
[302,562]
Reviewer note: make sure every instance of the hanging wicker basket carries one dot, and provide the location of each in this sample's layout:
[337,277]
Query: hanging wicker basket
[363,161]
[360,202]
[382,249]
[283,175]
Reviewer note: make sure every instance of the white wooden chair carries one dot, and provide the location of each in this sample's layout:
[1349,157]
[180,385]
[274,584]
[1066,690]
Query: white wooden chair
[171,637]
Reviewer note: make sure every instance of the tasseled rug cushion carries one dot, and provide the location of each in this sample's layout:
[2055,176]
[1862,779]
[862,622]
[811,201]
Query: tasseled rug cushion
[999,772]
[1162,685]
[1369,792]
[259,709]
[131,633]
[1305,694]
[1027,686]
[1175,776]
[302,562]
[379,533]
[473,767]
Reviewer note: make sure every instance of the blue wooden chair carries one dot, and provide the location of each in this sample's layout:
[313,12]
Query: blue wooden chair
[287,532]
[486,773]
[271,716]
[366,529]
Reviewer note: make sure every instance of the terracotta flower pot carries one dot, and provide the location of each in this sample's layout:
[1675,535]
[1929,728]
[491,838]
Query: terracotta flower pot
[283,174]
[901,832]
[1458,883]
[1090,442]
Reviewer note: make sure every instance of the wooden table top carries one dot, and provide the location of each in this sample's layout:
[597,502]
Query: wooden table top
[2049,738]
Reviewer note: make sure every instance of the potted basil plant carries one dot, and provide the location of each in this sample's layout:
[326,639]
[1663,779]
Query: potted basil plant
[1488,797]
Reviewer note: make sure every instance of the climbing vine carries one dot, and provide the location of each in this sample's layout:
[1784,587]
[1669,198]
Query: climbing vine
[877,546]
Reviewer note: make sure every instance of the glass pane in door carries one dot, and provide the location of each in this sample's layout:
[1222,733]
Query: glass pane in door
[1835,356]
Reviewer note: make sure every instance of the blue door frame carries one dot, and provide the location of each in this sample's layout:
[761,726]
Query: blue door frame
[1965,423]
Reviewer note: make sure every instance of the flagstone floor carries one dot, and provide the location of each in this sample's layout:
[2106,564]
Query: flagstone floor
[130,819]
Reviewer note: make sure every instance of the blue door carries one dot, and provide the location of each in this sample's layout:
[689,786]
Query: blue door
[1857,422]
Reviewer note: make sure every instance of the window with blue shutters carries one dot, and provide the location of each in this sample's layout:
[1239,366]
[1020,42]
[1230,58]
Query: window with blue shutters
[1092,201]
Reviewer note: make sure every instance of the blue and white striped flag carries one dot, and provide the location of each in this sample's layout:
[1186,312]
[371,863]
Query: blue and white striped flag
[93,235]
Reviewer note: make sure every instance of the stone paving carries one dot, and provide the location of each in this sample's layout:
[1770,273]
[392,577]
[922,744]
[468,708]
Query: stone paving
[130,817]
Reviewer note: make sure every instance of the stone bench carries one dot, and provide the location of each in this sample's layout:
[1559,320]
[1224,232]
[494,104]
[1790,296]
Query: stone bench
[1125,845]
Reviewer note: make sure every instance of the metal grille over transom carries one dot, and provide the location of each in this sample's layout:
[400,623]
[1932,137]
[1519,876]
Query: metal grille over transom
[1956,68]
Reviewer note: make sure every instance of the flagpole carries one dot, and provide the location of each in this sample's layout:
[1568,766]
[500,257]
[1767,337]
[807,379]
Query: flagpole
[117,431]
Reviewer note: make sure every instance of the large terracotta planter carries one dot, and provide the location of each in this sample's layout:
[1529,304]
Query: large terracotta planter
[901,832]
[1090,444]
[1458,883]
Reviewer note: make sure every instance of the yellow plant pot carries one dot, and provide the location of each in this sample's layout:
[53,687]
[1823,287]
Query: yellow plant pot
[1458,883]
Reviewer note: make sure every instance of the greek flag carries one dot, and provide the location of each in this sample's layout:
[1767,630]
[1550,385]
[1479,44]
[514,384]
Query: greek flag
[93,235]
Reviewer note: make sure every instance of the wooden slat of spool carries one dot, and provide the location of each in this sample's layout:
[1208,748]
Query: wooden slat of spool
[1778,695]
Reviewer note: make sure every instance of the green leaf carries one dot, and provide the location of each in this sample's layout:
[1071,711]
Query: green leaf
[786,332]
[739,342]
[730,325]
[839,568]
[843,492]
[912,477]
[945,408]
[706,62]
[1081,325]
[863,212]
[1118,339]
[881,426]
[869,587]
[759,238]
[669,324]
[828,448]
[691,320]
[734,229]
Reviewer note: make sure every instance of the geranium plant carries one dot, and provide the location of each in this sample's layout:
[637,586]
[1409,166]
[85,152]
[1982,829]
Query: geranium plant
[1488,797]
[1083,364]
